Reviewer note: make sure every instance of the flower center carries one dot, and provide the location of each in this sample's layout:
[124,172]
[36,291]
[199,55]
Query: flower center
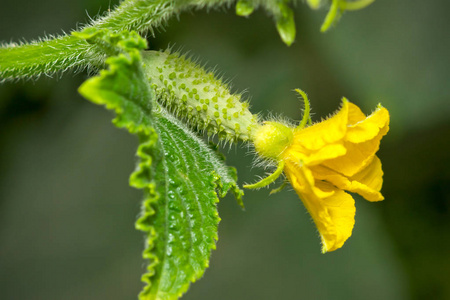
[271,139]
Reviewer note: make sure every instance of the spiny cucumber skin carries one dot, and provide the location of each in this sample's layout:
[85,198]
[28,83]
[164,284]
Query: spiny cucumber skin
[191,93]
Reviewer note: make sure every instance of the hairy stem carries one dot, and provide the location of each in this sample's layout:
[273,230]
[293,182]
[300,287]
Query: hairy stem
[68,52]
[46,57]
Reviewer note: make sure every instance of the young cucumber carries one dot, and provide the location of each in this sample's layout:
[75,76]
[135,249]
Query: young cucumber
[195,95]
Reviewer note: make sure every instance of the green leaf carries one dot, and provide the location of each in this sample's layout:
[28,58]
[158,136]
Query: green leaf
[180,213]
[123,88]
[180,175]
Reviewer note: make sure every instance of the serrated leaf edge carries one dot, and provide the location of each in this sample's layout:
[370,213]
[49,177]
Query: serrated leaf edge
[220,190]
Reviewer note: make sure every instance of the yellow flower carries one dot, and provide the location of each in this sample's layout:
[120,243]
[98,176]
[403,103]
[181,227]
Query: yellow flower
[324,160]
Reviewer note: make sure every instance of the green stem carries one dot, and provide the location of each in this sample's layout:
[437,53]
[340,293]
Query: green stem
[68,52]
[46,57]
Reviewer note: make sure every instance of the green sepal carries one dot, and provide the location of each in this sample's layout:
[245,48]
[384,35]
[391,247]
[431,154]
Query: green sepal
[269,179]
[280,188]
[182,178]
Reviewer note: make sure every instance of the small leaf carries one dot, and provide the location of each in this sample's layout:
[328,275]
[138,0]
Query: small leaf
[180,175]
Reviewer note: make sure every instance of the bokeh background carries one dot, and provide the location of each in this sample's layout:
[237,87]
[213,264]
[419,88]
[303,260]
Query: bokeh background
[67,213]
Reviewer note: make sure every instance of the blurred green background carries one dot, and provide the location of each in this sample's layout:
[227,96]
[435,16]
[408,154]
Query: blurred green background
[67,213]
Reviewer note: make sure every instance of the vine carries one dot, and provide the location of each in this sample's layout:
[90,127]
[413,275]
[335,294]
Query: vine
[165,100]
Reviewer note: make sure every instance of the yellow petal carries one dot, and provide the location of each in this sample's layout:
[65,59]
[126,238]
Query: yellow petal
[368,128]
[326,132]
[355,114]
[358,156]
[302,177]
[311,158]
[370,179]
[333,211]
[367,183]
[341,210]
